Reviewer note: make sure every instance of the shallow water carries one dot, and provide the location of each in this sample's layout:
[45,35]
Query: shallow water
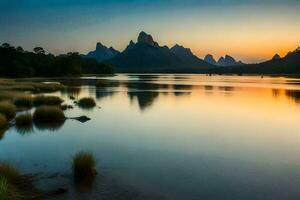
[173,137]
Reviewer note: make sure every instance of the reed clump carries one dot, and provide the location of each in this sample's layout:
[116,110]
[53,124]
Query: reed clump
[8,110]
[48,114]
[87,103]
[24,120]
[3,121]
[24,102]
[84,166]
[14,186]
[47,100]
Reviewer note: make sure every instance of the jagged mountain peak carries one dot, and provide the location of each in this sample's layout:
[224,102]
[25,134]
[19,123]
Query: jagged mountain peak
[145,38]
[178,47]
[229,57]
[100,45]
[210,59]
[276,57]
[102,52]
[147,55]
[228,60]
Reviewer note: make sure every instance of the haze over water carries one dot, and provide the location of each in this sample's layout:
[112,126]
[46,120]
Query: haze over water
[174,137]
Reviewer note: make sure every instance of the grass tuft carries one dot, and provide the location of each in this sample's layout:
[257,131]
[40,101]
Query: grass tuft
[8,110]
[47,100]
[48,114]
[9,172]
[87,103]
[24,120]
[49,87]
[3,121]
[84,166]
[14,186]
[4,192]
[24,102]
[29,85]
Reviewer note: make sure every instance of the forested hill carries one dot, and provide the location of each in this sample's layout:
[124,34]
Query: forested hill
[15,62]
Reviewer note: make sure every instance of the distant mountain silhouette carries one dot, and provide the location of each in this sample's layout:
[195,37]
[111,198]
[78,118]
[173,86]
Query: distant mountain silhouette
[276,57]
[221,61]
[228,61]
[210,59]
[290,64]
[102,53]
[148,56]
[187,57]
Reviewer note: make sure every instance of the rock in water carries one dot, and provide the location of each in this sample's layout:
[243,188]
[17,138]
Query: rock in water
[82,119]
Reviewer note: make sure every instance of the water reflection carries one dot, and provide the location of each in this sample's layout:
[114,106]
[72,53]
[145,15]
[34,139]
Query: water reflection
[100,94]
[53,126]
[208,87]
[180,94]
[144,99]
[293,94]
[257,127]
[25,130]
[144,90]
[275,93]
[226,88]
[72,91]
[2,133]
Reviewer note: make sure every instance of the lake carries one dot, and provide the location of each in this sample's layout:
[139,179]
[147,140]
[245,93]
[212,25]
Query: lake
[172,137]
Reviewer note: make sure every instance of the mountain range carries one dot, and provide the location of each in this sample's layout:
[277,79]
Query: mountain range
[223,61]
[102,53]
[146,55]
[289,64]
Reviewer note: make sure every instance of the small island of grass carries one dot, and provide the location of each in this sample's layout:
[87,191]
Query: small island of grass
[86,103]
[84,166]
[3,121]
[48,114]
[8,110]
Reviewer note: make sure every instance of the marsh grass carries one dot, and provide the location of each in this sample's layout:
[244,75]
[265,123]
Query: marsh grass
[49,87]
[2,132]
[4,192]
[6,95]
[47,100]
[14,186]
[24,102]
[3,121]
[24,120]
[9,172]
[48,114]
[66,107]
[29,85]
[86,103]
[8,110]
[84,166]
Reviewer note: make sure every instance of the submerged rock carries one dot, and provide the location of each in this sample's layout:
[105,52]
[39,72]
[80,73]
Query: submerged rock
[81,119]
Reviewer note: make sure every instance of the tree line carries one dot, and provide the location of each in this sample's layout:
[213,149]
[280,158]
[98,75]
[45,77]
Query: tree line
[16,62]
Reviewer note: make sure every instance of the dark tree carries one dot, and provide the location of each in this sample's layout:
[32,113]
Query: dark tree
[39,50]
[15,62]
[20,49]
[7,46]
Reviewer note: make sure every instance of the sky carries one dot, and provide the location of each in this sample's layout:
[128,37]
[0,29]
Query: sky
[249,30]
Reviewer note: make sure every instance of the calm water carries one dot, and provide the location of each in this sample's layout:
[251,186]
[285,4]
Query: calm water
[173,137]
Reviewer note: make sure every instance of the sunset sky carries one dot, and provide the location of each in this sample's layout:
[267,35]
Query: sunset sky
[250,30]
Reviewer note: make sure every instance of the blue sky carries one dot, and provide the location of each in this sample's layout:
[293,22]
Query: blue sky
[250,30]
